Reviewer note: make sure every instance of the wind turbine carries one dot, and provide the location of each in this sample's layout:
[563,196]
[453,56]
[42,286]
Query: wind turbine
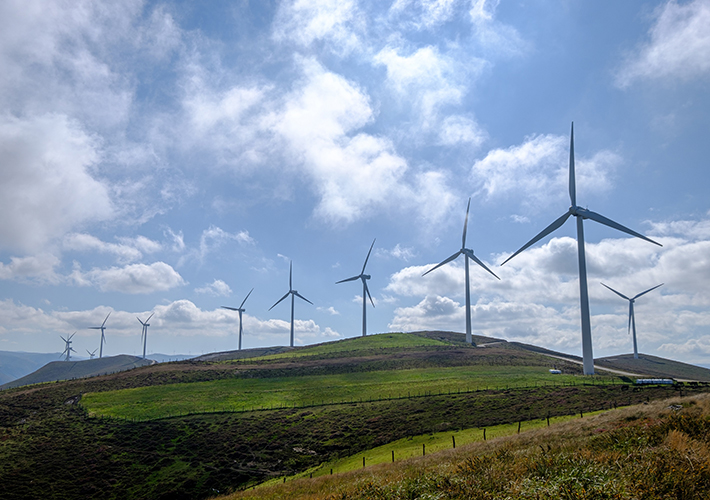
[632,319]
[581,214]
[364,277]
[240,310]
[293,293]
[91,354]
[103,337]
[468,254]
[68,348]
[144,332]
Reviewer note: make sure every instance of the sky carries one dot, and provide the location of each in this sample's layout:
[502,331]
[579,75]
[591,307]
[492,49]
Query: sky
[167,157]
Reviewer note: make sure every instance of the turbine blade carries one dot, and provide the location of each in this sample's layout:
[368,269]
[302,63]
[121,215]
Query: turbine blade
[368,257]
[572,186]
[141,321]
[230,308]
[443,262]
[301,296]
[70,336]
[588,214]
[619,294]
[367,290]
[277,303]
[555,225]
[245,298]
[290,276]
[642,293]
[62,338]
[109,314]
[349,279]
[151,315]
[465,225]
[471,256]
[94,328]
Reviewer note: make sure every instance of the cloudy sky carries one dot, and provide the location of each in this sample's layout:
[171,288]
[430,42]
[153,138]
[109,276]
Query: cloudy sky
[169,157]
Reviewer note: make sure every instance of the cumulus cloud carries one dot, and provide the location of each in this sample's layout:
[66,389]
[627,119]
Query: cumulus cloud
[216,288]
[307,21]
[537,171]
[131,279]
[46,183]
[496,38]
[124,252]
[678,48]
[36,268]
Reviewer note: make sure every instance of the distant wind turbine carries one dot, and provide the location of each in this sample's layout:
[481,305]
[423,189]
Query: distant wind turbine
[581,214]
[632,319]
[144,332]
[103,337]
[91,354]
[293,293]
[68,348]
[240,310]
[468,254]
[365,291]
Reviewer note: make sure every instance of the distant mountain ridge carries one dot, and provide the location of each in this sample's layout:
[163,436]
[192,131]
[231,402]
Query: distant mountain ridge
[16,364]
[67,370]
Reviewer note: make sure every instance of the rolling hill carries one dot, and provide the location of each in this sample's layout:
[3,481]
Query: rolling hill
[67,370]
[197,428]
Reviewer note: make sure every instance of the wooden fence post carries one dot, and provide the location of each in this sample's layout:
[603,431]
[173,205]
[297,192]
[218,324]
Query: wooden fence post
[453,440]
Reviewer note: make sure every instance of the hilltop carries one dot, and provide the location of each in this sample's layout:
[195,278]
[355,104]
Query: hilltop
[196,428]
[67,370]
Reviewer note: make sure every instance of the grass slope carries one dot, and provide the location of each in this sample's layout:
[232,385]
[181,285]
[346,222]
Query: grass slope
[655,367]
[66,370]
[661,450]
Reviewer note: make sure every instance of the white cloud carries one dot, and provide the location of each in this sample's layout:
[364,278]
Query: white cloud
[424,14]
[46,183]
[678,49]
[36,268]
[461,130]
[83,242]
[536,172]
[132,279]
[308,21]
[330,310]
[216,288]
[495,37]
[214,237]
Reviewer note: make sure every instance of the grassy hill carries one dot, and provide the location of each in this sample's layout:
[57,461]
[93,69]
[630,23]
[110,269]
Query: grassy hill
[67,370]
[197,428]
[14,365]
[655,367]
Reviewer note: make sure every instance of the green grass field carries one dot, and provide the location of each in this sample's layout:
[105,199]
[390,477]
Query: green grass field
[415,446]
[240,394]
[358,346]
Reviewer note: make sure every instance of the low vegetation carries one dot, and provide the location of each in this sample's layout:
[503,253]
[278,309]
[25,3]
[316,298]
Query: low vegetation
[660,450]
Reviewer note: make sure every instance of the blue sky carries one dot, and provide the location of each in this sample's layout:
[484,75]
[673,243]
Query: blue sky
[168,157]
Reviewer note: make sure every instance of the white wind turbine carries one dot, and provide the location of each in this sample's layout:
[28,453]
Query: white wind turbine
[468,254]
[293,293]
[365,291]
[91,354]
[67,346]
[632,319]
[240,310]
[581,214]
[103,337]
[144,332]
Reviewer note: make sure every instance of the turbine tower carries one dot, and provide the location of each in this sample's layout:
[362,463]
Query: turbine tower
[632,319]
[240,310]
[91,354]
[293,293]
[365,291]
[68,348]
[103,337]
[144,332]
[468,254]
[581,214]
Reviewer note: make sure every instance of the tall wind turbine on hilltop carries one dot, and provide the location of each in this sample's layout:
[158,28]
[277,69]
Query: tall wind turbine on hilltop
[365,291]
[468,254]
[144,332]
[103,337]
[581,214]
[293,293]
[632,319]
[240,310]
[68,348]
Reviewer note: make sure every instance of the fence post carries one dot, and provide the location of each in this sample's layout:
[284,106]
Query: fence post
[423,449]
[363,462]
[453,440]
[392,456]
[518,426]
[484,433]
